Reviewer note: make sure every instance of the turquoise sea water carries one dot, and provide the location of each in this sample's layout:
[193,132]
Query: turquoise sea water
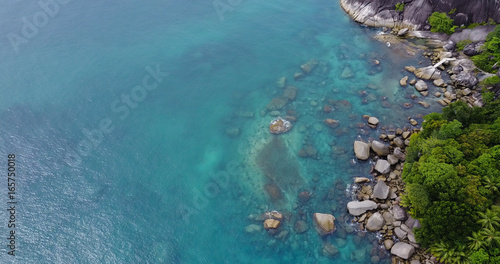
[168,184]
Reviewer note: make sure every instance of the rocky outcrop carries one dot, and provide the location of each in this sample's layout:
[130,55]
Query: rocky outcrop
[427,73]
[465,79]
[382,13]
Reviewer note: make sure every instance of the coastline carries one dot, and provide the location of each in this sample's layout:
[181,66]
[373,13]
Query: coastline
[377,206]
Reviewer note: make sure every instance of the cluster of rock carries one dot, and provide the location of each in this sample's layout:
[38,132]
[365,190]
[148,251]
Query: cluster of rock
[461,86]
[281,104]
[463,81]
[324,224]
[377,207]
[383,13]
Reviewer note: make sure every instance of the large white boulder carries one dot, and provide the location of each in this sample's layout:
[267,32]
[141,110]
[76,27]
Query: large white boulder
[403,250]
[381,190]
[362,150]
[325,223]
[358,208]
[375,222]
[421,86]
[383,166]
[380,148]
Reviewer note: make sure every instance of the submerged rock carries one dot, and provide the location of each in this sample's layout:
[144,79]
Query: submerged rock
[304,196]
[290,93]
[276,103]
[331,122]
[327,109]
[271,224]
[252,228]
[325,223]
[329,250]
[309,66]
[347,73]
[281,82]
[280,126]
[233,132]
[280,170]
[300,226]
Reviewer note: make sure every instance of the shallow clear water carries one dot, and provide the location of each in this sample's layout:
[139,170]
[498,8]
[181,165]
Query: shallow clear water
[168,184]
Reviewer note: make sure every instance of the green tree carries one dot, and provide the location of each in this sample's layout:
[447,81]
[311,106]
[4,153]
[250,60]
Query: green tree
[475,241]
[479,257]
[400,7]
[491,237]
[447,253]
[440,22]
[451,129]
[489,219]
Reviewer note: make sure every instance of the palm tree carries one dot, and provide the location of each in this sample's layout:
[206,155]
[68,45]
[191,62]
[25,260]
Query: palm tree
[490,236]
[489,219]
[449,253]
[493,186]
[476,241]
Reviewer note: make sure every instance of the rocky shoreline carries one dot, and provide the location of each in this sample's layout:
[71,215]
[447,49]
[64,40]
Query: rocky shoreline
[414,13]
[378,207]
[453,77]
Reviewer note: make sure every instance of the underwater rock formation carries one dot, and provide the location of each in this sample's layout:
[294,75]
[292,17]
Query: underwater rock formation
[280,126]
[280,169]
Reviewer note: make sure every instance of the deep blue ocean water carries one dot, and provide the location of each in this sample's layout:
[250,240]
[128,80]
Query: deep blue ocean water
[110,172]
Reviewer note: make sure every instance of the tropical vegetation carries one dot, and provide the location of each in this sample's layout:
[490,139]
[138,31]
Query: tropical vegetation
[452,177]
[440,22]
[400,7]
[490,54]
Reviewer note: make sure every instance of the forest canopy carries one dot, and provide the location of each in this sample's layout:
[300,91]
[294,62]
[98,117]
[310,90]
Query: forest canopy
[452,177]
